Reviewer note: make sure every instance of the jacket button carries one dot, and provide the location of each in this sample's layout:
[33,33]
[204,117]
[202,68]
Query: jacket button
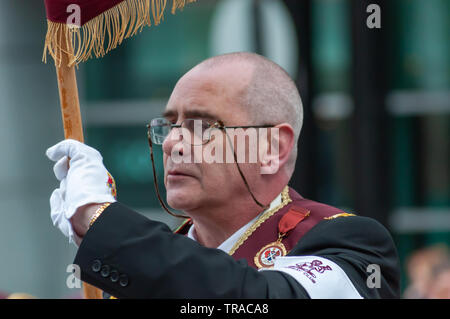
[114,276]
[105,271]
[96,265]
[123,280]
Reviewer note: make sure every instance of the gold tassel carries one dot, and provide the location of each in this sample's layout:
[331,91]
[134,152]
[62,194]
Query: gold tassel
[179,4]
[106,31]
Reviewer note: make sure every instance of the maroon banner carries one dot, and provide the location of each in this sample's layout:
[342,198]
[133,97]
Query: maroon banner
[60,10]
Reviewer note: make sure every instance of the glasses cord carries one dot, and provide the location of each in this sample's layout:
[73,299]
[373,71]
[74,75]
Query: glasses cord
[155,180]
[242,174]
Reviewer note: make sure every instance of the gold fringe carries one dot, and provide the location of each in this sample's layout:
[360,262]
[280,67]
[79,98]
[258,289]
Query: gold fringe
[179,4]
[120,22]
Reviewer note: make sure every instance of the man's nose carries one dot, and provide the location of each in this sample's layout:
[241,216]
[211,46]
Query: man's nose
[173,142]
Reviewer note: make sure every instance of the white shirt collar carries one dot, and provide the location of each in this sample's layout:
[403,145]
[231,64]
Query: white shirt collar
[230,241]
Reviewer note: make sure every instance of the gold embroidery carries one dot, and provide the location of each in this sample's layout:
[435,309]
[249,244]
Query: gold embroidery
[339,215]
[285,199]
[98,212]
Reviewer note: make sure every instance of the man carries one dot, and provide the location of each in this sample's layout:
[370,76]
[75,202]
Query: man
[249,235]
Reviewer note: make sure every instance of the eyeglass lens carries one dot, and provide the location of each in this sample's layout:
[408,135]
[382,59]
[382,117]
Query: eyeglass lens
[196,131]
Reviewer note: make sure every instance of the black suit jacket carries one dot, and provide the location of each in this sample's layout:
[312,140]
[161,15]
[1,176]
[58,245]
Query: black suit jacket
[129,256]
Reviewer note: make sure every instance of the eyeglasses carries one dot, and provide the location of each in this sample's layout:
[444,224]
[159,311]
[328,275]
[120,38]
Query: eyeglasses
[197,132]
[194,131]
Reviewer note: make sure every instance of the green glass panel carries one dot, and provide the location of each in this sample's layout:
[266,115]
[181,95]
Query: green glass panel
[331,45]
[331,64]
[126,155]
[149,64]
[420,50]
[402,161]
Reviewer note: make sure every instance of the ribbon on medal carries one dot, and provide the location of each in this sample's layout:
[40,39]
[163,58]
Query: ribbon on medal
[265,257]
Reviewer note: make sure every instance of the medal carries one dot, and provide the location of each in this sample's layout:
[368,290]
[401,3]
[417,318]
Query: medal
[265,257]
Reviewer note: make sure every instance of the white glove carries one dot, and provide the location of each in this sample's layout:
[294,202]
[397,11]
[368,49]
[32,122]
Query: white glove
[82,181]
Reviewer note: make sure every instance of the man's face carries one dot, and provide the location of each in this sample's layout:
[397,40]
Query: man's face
[211,95]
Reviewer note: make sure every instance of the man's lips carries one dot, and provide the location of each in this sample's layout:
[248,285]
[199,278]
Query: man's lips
[178,173]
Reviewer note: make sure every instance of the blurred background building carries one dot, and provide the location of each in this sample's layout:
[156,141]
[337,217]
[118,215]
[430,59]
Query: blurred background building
[376,100]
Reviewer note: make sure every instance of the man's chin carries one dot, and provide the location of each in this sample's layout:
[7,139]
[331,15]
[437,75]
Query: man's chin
[181,199]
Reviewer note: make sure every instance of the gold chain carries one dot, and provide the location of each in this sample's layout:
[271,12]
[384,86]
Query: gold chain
[285,199]
[98,212]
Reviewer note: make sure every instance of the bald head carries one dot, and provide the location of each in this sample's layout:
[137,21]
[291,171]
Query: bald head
[269,95]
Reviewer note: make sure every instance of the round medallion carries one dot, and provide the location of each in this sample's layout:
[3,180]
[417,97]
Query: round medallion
[265,258]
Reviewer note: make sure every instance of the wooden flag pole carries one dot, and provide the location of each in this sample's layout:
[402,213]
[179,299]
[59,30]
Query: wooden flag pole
[70,102]
[71,116]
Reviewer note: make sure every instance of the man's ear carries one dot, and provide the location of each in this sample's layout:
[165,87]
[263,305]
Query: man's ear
[274,154]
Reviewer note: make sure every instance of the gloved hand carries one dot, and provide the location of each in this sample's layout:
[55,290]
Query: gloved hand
[84,180]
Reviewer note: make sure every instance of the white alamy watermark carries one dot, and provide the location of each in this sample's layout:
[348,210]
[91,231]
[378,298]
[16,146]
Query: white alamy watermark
[228,145]
[373,21]
[74,19]
[374,279]
[73,280]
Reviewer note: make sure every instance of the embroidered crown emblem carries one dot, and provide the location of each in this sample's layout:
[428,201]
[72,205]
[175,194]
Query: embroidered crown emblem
[112,185]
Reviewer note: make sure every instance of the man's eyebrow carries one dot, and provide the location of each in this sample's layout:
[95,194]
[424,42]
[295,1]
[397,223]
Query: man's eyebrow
[169,114]
[199,114]
[191,114]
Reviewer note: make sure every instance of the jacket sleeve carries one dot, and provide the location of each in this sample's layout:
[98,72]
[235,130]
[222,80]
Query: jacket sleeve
[129,256]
